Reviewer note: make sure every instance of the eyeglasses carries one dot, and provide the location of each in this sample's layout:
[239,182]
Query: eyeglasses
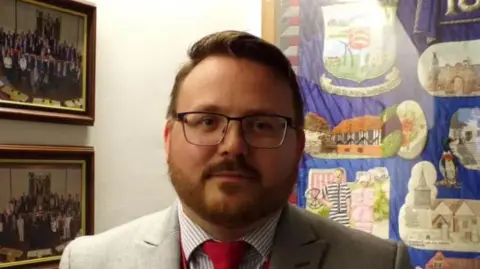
[209,129]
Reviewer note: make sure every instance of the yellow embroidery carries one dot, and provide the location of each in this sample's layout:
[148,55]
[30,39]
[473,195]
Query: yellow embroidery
[462,5]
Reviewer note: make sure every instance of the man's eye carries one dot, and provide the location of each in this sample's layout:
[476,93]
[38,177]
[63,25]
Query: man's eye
[208,121]
[262,126]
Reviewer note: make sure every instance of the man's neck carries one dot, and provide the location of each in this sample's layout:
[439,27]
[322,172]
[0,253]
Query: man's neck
[218,232]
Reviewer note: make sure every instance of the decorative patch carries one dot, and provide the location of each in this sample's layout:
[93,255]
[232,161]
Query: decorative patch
[398,130]
[371,201]
[317,180]
[440,261]
[451,69]
[359,49]
[362,205]
[448,167]
[426,222]
[329,195]
[414,129]
[464,138]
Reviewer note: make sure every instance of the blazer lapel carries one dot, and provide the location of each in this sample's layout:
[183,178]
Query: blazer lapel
[295,244]
[160,247]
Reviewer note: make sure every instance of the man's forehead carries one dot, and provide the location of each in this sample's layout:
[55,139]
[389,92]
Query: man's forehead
[230,75]
[233,86]
[245,103]
[216,67]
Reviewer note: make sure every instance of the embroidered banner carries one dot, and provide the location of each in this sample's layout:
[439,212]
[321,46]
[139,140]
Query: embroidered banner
[392,119]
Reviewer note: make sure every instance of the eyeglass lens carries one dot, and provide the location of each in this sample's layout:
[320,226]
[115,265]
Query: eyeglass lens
[262,131]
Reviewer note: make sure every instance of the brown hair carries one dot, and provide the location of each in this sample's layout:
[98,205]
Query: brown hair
[241,45]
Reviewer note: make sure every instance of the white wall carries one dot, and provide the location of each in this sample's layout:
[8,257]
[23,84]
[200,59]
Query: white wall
[139,48]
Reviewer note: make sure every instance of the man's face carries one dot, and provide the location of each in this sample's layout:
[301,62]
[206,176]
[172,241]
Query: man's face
[338,176]
[233,184]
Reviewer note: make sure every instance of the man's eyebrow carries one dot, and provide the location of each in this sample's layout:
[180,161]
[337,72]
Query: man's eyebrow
[218,109]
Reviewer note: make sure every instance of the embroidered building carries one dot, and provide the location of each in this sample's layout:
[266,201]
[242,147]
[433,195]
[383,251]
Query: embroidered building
[459,79]
[422,193]
[458,219]
[361,135]
[439,261]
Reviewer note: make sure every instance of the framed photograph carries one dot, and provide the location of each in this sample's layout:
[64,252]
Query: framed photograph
[47,61]
[46,201]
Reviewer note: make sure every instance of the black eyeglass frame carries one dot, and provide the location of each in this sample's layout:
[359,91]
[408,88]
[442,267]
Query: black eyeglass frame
[289,124]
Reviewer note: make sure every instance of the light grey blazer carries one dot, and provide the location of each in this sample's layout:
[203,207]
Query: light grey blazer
[303,240]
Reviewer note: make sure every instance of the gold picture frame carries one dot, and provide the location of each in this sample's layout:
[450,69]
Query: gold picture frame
[47,61]
[49,197]
[269,21]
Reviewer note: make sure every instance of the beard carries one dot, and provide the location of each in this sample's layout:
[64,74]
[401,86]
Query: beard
[247,202]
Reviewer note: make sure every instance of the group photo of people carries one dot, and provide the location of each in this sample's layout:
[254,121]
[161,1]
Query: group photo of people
[39,222]
[40,55]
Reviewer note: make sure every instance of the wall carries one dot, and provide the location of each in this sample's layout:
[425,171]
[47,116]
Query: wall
[139,48]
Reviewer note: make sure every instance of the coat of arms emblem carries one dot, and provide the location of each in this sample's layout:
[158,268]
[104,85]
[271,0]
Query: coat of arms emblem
[359,49]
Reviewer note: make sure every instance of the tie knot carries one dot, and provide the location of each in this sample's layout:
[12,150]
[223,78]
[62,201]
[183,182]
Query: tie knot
[225,255]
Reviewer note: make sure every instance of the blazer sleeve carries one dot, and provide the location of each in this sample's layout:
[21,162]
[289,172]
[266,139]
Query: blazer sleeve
[402,257]
[65,259]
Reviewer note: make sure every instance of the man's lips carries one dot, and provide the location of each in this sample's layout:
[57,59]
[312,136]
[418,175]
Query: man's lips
[230,175]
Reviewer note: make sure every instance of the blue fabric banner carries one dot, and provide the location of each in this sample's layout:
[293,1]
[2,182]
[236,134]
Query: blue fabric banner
[392,110]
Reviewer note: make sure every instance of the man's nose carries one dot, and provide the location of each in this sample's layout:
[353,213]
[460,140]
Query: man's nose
[233,141]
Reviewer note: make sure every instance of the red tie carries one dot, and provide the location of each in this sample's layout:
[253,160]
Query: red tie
[225,255]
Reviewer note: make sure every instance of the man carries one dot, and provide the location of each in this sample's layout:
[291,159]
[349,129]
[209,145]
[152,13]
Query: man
[234,139]
[337,197]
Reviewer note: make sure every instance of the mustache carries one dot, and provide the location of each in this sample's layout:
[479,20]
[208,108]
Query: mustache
[238,165]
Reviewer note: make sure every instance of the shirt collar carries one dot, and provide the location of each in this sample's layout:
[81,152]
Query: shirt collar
[192,236]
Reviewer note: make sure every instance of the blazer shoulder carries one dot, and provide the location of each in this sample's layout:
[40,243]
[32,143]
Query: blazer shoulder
[363,249]
[94,250]
[130,229]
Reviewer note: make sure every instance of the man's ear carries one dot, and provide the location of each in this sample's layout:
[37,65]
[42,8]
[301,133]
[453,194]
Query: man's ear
[167,134]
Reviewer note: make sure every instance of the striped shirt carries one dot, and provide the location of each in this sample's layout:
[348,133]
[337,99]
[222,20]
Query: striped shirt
[192,236]
[338,194]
